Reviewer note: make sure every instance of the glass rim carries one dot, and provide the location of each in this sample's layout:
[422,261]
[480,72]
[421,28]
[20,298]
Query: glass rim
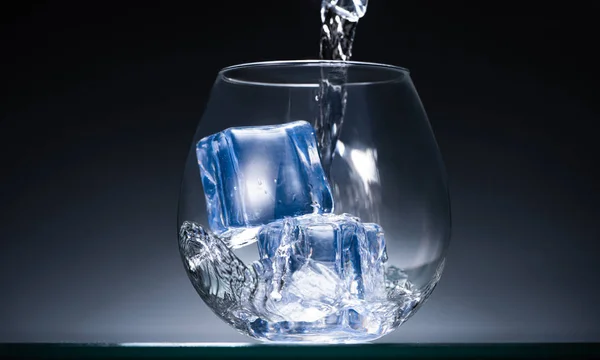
[223,73]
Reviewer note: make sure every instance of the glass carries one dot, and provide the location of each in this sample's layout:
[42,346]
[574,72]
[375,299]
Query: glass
[371,269]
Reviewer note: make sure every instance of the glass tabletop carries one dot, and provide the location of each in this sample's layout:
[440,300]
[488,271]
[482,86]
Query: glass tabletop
[235,350]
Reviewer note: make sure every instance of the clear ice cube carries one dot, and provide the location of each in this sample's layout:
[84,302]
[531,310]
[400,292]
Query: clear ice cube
[328,247]
[255,175]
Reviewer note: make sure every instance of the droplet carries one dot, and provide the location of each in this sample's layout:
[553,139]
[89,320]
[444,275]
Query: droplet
[315,205]
[259,182]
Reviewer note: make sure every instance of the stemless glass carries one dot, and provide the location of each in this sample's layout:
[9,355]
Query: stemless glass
[387,181]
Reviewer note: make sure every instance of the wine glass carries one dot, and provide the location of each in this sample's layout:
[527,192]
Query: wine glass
[314,205]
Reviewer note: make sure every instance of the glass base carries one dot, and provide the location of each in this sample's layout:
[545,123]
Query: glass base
[320,332]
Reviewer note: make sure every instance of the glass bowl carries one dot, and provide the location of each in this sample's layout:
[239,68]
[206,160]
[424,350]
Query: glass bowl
[314,204]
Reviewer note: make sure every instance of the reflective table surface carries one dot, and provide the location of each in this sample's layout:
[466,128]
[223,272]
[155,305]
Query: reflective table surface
[244,351]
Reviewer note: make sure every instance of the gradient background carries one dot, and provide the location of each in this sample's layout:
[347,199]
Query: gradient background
[99,104]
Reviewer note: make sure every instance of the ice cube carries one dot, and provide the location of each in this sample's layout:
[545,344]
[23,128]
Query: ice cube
[338,244]
[256,175]
[312,292]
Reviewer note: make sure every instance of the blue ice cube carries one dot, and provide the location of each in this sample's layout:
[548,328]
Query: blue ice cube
[353,250]
[255,175]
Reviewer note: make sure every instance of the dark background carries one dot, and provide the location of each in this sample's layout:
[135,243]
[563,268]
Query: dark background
[100,100]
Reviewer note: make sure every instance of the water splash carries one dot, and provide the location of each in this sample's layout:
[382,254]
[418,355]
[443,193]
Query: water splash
[241,295]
